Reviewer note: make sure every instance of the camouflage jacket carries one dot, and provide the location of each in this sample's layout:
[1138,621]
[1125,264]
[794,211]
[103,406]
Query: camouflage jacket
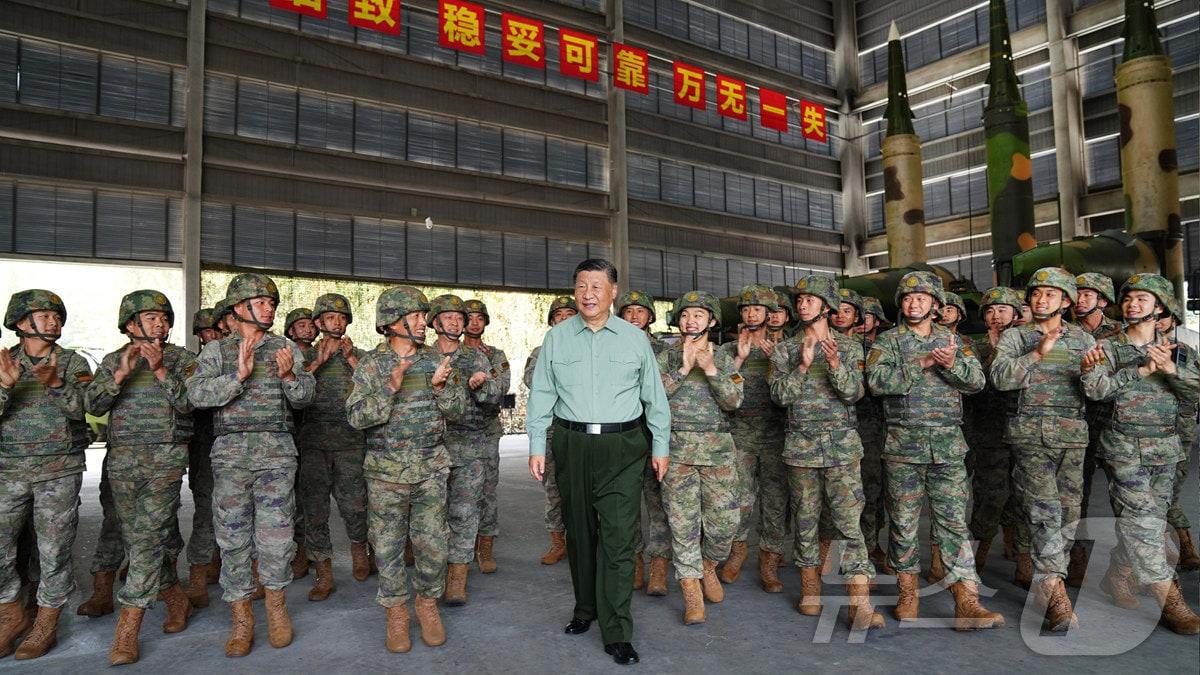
[261,404]
[37,422]
[530,364]
[405,431]
[334,379]
[699,407]
[822,419]
[1145,412]
[144,410]
[986,412]
[501,372]
[869,409]
[1105,329]
[923,406]
[757,405]
[467,438]
[1047,406]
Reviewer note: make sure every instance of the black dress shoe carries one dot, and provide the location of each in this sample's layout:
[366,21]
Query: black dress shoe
[577,626]
[622,653]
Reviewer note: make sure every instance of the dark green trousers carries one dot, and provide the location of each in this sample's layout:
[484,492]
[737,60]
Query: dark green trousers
[600,478]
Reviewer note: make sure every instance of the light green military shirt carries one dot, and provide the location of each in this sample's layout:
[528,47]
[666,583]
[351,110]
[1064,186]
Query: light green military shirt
[604,376]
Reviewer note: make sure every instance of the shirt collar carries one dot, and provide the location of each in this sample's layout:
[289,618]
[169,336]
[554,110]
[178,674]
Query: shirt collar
[580,325]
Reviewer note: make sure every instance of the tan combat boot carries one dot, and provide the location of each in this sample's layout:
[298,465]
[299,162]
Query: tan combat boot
[279,624]
[1118,583]
[823,552]
[300,563]
[197,590]
[1176,614]
[810,591]
[324,585]
[398,641]
[862,615]
[433,633]
[101,602]
[13,622]
[981,554]
[657,584]
[360,564]
[42,637]
[259,591]
[713,591]
[693,601]
[937,571]
[639,572]
[732,568]
[909,600]
[214,567]
[241,628]
[125,640]
[1077,566]
[968,613]
[484,555]
[1189,558]
[1060,616]
[1010,542]
[179,608]
[557,550]
[768,571]
[1023,577]
[456,584]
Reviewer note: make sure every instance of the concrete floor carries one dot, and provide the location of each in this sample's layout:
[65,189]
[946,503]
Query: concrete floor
[515,617]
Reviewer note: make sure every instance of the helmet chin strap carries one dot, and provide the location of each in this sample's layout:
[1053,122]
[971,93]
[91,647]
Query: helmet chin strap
[1093,310]
[388,332]
[332,334]
[473,335]
[147,338]
[755,326]
[35,333]
[913,321]
[252,320]
[1061,311]
[824,314]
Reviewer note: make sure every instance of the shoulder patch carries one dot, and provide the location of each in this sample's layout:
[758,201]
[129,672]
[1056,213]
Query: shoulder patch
[190,369]
[862,365]
[737,379]
[873,356]
[967,351]
[83,377]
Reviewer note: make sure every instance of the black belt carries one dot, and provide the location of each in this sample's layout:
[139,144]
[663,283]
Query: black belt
[594,428]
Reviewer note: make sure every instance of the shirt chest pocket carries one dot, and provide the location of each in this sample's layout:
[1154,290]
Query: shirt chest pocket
[624,370]
[569,371]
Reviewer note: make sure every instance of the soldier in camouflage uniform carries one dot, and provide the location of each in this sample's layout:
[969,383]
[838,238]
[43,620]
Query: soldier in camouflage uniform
[141,387]
[253,379]
[331,451]
[985,413]
[42,440]
[467,439]
[561,309]
[109,553]
[949,316]
[1148,380]
[757,428]
[921,371]
[299,327]
[637,308]
[1039,363]
[700,488]
[404,393]
[489,522]
[953,311]
[779,321]
[849,314]
[203,555]
[817,375]
[1189,559]
[869,410]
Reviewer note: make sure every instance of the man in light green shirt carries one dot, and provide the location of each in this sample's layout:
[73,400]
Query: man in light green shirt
[596,379]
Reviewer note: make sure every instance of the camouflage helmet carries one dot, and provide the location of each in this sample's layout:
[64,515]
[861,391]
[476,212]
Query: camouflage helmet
[701,299]
[477,307]
[1174,310]
[296,315]
[639,299]
[203,319]
[219,310]
[24,303]
[250,285]
[921,282]
[1157,284]
[955,300]
[1053,277]
[447,302]
[1000,295]
[145,300]
[825,288]
[785,304]
[873,307]
[854,299]
[1099,283]
[333,302]
[759,295]
[397,302]
[561,302]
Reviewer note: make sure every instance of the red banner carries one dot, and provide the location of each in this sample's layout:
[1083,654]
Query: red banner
[577,55]
[460,26]
[773,108]
[317,8]
[689,85]
[731,97]
[524,41]
[812,121]
[631,68]
[380,15]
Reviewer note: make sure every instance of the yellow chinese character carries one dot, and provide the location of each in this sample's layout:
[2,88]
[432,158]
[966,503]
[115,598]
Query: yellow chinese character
[733,97]
[631,69]
[378,12]
[814,124]
[691,85]
[524,39]
[579,52]
[461,25]
[315,5]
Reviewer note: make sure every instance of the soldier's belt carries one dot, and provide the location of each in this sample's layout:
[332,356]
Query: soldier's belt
[598,428]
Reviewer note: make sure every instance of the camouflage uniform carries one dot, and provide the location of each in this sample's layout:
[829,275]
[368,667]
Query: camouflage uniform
[308,352]
[1187,436]
[253,456]
[553,517]
[407,464]
[489,522]
[822,448]
[42,439]
[871,425]
[700,488]
[924,451]
[331,451]
[1141,443]
[1097,412]
[1046,427]
[202,544]
[150,424]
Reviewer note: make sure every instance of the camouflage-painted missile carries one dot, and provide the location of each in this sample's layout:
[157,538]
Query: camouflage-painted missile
[1149,163]
[1009,169]
[903,203]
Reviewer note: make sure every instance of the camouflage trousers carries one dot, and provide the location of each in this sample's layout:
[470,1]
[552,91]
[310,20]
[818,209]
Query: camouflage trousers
[203,541]
[462,509]
[836,490]
[331,464]
[654,536]
[1048,483]
[873,516]
[489,503]
[702,508]
[1140,495]
[1175,515]
[298,528]
[945,486]
[147,505]
[54,506]
[554,516]
[111,543]
[252,513]
[763,491]
[990,488]
[402,511]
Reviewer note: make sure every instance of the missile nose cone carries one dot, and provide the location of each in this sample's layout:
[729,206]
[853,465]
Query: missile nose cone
[893,33]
